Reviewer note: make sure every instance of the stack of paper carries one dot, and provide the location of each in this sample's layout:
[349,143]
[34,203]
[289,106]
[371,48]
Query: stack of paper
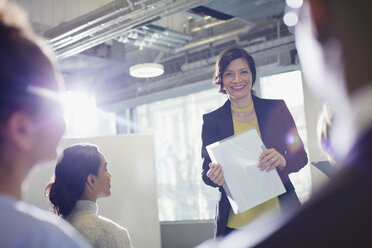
[245,184]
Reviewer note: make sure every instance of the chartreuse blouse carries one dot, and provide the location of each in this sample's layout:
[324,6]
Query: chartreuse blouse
[237,221]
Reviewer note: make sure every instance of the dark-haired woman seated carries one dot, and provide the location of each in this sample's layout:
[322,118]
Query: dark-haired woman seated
[81,177]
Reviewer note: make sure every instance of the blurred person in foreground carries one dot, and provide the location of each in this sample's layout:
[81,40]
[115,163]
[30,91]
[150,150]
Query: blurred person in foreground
[81,177]
[31,125]
[235,76]
[333,39]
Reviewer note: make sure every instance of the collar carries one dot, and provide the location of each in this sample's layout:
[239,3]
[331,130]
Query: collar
[86,205]
[242,110]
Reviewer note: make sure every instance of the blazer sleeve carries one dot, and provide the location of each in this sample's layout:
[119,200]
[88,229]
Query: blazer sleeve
[294,151]
[208,137]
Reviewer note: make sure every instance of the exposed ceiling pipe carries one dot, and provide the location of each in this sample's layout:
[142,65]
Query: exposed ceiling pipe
[163,37]
[148,40]
[162,33]
[169,32]
[94,17]
[158,47]
[212,24]
[154,37]
[67,40]
[95,31]
[213,39]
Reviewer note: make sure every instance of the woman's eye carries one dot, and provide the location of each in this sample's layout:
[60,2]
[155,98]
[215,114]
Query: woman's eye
[244,72]
[228,74]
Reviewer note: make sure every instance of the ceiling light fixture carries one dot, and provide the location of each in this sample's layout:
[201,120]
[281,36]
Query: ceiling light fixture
[146,70]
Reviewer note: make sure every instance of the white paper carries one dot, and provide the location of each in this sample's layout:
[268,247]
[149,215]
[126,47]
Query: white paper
[245,184]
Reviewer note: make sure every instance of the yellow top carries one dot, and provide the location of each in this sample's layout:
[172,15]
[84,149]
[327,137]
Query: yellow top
[239,220]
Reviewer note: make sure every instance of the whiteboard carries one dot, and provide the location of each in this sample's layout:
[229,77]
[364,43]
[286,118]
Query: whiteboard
[133,201]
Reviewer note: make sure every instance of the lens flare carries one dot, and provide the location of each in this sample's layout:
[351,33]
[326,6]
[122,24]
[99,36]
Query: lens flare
[293,141]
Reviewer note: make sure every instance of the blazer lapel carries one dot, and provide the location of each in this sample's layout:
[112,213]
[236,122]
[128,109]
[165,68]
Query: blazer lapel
[225,121]
[260,114]
[258,109]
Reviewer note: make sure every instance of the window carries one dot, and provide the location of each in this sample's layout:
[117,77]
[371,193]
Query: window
[176,124]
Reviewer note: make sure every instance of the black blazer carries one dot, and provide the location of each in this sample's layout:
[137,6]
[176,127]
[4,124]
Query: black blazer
[278,131]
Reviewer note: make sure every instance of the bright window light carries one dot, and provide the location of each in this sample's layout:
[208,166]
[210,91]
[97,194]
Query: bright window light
[80,114]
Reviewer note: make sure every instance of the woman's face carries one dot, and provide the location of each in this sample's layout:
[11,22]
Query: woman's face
[103,188]
[237,79]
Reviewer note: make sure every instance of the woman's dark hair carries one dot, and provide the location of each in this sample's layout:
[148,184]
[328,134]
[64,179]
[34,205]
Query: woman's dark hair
[224,59]
[72,170]
[25,66]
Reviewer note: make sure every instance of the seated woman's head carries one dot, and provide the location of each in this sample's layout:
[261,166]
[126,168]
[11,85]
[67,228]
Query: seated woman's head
[81,174]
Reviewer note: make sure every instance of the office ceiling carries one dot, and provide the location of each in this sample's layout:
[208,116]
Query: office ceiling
[96,49]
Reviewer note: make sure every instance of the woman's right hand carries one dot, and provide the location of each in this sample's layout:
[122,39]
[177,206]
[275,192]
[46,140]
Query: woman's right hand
[215,173]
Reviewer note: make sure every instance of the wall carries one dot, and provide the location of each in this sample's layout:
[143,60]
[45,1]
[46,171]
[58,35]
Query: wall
[133,203]
[185,234]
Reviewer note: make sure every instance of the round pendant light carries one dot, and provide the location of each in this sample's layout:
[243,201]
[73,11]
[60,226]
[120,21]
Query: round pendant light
[146,70]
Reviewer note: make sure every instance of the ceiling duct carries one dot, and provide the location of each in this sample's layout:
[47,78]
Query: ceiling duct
[111,21]
[228,35]
[205,11]
[155,37]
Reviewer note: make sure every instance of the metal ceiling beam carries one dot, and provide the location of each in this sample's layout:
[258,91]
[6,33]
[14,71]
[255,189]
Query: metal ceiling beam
[107,23]
[212,39]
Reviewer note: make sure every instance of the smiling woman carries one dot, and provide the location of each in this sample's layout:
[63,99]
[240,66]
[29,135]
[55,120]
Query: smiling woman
[235,75]
[81,177]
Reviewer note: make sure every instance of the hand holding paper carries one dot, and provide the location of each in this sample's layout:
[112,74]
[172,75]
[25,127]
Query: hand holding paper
[215,173]
[271,159]
[245,184]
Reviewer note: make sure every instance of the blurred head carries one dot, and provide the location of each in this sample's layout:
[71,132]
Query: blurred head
[239,56]
[333,41]
[31,120]
[80,173]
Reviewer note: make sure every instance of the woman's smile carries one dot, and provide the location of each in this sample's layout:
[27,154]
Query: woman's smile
[238,87]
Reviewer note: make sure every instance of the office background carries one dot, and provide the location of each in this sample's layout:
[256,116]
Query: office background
[98,41]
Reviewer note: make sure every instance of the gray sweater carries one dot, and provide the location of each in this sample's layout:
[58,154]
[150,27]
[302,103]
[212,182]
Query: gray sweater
[99,231]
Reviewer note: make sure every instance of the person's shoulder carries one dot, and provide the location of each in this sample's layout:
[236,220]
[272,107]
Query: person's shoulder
[36,227]
[114,233]
[108,223]
[216,112]
[90,221]
[268,101]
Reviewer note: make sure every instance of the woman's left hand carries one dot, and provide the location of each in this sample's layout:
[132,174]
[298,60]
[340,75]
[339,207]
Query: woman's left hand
[271,159]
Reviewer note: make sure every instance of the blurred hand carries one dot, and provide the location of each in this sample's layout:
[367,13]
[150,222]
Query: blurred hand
[271,159]
[215,173]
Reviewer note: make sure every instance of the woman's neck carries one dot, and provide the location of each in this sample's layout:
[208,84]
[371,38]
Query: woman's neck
[11,178]
[241,102]
[88,195]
